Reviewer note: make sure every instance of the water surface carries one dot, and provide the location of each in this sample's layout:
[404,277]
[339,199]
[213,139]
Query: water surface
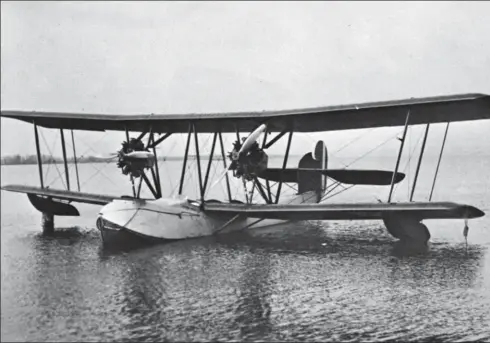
[310,282]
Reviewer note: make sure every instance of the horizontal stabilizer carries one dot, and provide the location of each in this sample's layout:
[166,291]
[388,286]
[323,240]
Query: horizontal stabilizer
[87,198]
[347,176]
[359,211]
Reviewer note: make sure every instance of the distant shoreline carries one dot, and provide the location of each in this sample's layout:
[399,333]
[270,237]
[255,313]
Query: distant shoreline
[32,159]
[9,161]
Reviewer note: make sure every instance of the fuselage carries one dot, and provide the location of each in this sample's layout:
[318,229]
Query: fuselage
[172,219]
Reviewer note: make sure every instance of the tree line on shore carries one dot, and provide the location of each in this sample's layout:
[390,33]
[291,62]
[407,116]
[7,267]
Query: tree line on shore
[46,159]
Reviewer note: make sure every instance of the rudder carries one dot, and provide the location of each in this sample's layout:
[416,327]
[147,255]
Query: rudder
[313,180]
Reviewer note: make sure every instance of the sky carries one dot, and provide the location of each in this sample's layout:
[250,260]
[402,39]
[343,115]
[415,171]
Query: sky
[178,57]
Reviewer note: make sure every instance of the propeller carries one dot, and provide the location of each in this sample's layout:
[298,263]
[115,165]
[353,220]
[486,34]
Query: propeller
[247,144]
[132,156]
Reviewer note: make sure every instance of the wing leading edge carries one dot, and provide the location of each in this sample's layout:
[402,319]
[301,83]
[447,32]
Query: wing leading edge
[452,108]
[359,211]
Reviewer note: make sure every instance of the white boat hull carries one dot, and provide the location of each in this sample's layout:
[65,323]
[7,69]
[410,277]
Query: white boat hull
[171,219]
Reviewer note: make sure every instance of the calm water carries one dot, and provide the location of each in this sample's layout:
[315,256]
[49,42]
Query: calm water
[317,281]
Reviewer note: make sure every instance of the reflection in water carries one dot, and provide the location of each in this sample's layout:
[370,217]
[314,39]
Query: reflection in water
[292,283]
[253,310]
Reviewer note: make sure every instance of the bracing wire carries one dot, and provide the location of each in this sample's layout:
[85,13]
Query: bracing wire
[165,165]
[174,189]
[408,163]
[338,184]
[49,164]
[341,191]
[330,189]
[354,140]
[291,187]
[56,166]
[370,151]
[91,177]
[331,155]
[98,171]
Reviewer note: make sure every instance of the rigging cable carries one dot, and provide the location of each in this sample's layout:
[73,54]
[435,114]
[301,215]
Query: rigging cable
[354,140]
[370,151]
[91,164]
[341,191]
[359,158]
[332,155]
[56,166]
[410,155]
[174,189]
[164,155]
[49,164]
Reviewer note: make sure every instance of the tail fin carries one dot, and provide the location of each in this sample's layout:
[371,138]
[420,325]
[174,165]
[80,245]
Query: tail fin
[313,180]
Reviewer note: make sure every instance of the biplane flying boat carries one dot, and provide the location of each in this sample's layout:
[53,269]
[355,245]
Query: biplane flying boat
[136,218]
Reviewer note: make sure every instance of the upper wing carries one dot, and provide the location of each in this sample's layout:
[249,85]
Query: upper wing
[422,210]
[364,115]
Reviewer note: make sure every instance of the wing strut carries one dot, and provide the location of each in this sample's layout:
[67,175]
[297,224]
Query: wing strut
[131,175]
[185,158]
[269,198]
[284,164]
[223,156]
[439,161]
[75,159]
[157,171]
[38,151]
[63,147]
[196,142]
[261,191]
[422,149]
[208,170]
[400,151]
[243,181]
[159,140]
[275,139]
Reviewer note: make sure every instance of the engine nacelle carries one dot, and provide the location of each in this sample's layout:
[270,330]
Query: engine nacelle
[248,164]
[134,159]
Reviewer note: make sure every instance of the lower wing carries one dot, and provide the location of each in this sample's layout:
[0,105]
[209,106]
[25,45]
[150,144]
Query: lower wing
[420,210]
[58,194]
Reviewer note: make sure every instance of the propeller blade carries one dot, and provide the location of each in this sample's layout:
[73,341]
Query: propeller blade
[247,144]
[254,136]
[139,155]
[107,158]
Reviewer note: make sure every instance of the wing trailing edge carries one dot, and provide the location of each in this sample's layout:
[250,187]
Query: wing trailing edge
[359,211]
